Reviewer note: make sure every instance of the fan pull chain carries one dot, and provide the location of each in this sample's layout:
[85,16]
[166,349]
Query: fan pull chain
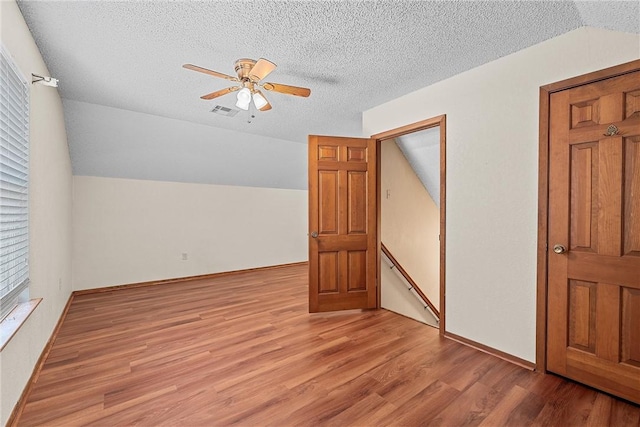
[250,114]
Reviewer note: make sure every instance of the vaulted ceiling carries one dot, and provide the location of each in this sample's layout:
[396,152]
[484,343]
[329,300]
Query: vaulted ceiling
[119,62]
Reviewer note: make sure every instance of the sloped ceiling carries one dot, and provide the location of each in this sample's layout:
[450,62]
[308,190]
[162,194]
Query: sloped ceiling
[353,55]
[422,151]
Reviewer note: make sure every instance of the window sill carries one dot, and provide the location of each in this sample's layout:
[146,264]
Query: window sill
[15,319]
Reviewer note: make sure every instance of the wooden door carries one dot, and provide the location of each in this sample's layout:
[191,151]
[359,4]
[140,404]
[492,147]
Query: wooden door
[342,223]
[593,318]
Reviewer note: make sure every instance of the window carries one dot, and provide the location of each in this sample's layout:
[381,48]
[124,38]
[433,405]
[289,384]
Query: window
[14,180]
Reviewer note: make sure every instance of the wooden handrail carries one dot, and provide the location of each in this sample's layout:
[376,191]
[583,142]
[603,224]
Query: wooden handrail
[408,278]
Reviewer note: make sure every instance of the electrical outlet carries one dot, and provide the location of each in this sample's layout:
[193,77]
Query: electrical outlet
[185,256]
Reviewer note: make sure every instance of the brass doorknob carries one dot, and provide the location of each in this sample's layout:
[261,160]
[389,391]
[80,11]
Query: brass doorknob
[559,249]
[314,234]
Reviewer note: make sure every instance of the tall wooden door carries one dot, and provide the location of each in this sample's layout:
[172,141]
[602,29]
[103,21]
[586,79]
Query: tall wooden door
[593,318]
[342,223]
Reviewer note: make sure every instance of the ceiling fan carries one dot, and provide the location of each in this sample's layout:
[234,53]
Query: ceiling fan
[250,76]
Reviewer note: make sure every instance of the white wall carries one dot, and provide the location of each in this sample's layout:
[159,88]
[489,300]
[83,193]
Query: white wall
[409,224]
[395,296]
[492,172]
[128,231]
[50,214]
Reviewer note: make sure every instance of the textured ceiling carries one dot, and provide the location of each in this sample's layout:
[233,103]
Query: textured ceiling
[353,55]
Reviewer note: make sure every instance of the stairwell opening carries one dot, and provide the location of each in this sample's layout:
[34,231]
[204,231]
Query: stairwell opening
[411,224]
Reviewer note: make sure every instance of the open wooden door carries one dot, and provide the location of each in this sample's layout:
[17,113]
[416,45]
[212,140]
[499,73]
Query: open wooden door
[342,224]
[593,326]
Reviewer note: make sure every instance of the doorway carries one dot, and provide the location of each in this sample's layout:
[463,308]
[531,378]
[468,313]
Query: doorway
[410,138]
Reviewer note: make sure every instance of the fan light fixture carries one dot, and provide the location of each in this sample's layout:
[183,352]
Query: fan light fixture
[259,100]
[244,98]
[250,78]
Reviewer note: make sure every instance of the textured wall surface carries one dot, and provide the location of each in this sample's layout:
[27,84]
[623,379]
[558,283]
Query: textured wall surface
[49,216]
[492,174]
[128,231]
[395,296]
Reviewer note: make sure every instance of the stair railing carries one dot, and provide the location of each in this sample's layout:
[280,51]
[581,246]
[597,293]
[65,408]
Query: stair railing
[412,286]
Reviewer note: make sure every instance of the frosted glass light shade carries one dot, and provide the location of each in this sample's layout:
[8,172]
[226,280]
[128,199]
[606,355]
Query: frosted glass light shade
[259,100]
[244,95]
[244,98]
[242,105]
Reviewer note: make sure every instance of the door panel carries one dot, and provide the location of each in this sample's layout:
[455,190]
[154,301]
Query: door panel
[357,261]
[582,315]
[593,311]
[342,211]
[357,202]
[328,206]
[631,326]
[631,222]
[584,189]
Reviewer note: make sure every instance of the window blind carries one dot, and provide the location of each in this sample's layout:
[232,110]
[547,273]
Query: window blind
[14,184]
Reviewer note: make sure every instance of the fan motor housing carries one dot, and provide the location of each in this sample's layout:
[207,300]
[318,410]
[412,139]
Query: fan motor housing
[243,66]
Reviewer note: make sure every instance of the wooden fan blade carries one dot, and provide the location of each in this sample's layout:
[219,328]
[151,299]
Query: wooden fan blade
[261,70]
[267,107]
[210,72]
[220,92]
[289,90]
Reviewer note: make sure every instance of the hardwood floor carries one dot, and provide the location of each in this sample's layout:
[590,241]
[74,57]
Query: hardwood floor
[243,349]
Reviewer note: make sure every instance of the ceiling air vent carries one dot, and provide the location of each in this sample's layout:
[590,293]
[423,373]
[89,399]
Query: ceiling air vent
[224,111]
